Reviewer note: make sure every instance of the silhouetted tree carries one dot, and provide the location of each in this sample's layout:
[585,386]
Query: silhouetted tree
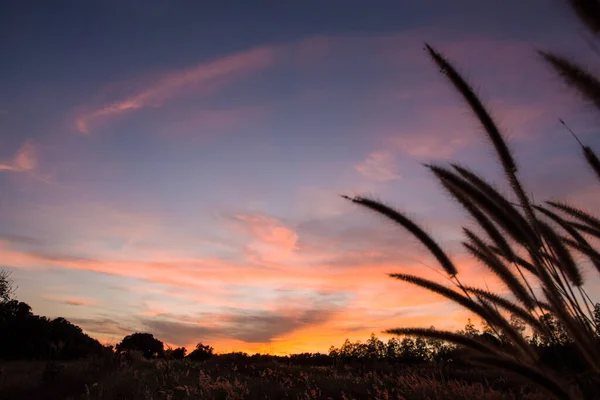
[178,353]
[375,347]
[143,342]
[408,349]
[201,352]
[313,359]
[421,349]
[346,351]
[470,329]
[334,353]
[392,349]
[7,287]
[24,335]
[438,349]
[558,335]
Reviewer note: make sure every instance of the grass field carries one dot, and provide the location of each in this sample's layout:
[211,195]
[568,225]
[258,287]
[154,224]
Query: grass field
[226,378]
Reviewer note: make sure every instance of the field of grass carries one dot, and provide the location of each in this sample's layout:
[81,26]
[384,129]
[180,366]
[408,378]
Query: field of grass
[223,378]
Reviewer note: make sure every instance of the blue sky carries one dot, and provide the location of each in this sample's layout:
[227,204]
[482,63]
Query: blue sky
[176,166]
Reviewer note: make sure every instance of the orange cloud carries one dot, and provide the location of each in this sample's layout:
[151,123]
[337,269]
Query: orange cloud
[213,272]
[372,301]
[275,258]
[353,324]
[269,230]
[203,77]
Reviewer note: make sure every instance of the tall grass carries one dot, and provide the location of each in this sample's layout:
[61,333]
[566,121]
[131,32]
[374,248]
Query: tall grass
[530,247]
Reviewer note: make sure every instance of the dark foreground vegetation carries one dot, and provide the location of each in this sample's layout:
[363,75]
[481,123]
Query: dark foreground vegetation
[251,377]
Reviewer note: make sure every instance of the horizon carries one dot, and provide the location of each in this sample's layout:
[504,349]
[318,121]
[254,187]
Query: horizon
[178,170]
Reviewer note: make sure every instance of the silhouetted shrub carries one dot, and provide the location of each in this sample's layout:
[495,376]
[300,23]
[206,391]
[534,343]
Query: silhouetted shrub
[201,352]
[146,343]
[178,353]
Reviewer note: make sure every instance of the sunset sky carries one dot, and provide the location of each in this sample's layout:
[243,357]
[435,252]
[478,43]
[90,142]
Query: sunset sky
[175,167]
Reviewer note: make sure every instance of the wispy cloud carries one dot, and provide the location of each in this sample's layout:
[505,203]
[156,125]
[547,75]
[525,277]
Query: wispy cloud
[204,77]
[80,302]
[308,299]
[103,325]
[379,166]
[246,325]
[25,160]
[19,239]
[262,240]
[71,301]
[269,231]
[152,313]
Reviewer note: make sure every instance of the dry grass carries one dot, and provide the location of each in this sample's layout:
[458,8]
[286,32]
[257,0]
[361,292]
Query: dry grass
[226,379]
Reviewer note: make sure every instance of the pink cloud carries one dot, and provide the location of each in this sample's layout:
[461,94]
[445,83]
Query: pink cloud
[204,77]
[80,302]
[269,230]
[273,267]
[71,301]
[378,166]
[268,240]
[377,301]
[25,160]
[152,313]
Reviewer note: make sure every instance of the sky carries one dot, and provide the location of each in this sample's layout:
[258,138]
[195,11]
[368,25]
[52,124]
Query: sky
[176,167]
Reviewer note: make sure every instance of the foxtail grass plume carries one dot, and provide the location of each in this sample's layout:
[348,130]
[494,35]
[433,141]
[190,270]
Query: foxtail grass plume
[529,247]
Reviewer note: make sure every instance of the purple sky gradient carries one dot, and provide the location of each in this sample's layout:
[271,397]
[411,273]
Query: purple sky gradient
[177,168]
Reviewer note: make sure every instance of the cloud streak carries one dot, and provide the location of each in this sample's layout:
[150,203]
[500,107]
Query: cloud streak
[25,159]
[79,302]
[71,301]
[245,325]
[204,77]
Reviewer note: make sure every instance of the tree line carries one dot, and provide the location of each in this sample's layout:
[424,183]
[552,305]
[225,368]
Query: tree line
[555,349]
[25,335]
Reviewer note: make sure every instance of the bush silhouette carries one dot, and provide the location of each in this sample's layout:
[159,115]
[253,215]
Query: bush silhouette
[145,343]
[176,354]
[201,352]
